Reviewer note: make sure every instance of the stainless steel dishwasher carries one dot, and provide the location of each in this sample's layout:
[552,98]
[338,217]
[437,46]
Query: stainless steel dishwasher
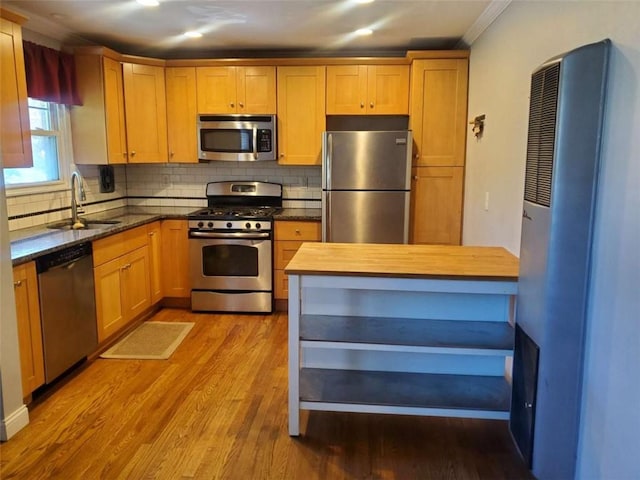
[67,308]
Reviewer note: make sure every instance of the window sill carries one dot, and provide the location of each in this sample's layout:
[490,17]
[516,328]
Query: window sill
[21,191]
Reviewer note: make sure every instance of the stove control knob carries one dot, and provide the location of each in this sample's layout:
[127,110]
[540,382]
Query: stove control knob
[229,224]
[258,226]
[210,224]
[200,224]
[247,226]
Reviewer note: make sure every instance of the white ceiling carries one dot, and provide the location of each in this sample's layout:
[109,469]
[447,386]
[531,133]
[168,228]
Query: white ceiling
[260,27]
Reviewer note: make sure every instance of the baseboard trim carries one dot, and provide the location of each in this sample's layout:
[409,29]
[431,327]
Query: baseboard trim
[14,422]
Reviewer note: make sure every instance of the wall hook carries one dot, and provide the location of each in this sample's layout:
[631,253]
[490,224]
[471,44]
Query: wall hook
[478,125]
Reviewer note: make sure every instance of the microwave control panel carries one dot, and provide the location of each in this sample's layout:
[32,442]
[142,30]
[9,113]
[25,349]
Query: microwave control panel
[264,140]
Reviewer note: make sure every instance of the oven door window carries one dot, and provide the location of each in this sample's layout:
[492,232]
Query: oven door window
[230,260]
[226,140]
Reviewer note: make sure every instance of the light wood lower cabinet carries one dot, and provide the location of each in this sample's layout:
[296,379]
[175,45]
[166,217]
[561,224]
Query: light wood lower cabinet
[175,259]
[436,205]
[154,239]
[121,275]
[289,235]
[25,285]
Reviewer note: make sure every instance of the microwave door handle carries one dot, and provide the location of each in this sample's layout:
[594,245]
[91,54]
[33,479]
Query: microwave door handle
[255,143]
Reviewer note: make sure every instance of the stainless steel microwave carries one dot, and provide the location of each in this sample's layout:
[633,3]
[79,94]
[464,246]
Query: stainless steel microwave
[237,138]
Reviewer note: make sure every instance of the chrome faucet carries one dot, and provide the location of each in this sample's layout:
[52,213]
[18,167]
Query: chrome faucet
[76,177]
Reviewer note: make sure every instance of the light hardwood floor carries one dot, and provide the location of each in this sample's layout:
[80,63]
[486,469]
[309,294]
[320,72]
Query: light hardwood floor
[218,409]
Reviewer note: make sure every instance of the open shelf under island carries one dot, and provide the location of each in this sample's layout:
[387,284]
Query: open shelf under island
[404,329]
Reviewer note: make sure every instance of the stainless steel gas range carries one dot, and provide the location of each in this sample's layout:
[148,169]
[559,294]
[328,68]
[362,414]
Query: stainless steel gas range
[231,248]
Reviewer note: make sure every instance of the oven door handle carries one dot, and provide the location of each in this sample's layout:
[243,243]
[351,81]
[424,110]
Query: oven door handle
[246,235]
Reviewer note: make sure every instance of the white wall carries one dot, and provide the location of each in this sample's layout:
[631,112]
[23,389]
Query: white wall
[502,59]
[13,413]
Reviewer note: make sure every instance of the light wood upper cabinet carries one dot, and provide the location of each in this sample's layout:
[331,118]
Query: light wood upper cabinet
[15,133]
[367,89]
[99,129]
[146,113]
[436,205]
[301,114]
[181,114]
[236,89]
[25,286]
[438,111]
[175,259]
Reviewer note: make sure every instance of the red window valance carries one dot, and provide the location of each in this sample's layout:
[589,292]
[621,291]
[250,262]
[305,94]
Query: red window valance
[51,75]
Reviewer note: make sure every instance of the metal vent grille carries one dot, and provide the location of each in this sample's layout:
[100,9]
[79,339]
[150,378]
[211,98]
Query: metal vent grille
[542,134]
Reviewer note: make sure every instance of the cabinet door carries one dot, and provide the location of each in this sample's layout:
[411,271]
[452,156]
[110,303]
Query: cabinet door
[114,111]
[301,115]
[388,90]
[155,261]
[175,259]
[146,113]
[256,89]
[110,310]
[216,89]
[438,111]
[15,134]
[25,283]
[181,114]
[346,89]
[436,205]
[136,294]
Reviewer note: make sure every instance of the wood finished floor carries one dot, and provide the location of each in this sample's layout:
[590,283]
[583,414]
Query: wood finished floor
[218,409]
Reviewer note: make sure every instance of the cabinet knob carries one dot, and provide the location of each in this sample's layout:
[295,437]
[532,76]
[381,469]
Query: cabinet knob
[361,104]
[241,105]
[172,153]
[417,156]
[151,234]
[282,155]
[297,232]
[17,283]
[232,104]
[133,153]
[371,105]
[415,177]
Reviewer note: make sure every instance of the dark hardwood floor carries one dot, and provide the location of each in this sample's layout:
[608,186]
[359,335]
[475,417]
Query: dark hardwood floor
[218,409]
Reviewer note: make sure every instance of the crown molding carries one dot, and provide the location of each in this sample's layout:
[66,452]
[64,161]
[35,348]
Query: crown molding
[493,11]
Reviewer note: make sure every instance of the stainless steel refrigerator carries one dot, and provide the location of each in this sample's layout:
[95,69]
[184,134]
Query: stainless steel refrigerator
[366,185]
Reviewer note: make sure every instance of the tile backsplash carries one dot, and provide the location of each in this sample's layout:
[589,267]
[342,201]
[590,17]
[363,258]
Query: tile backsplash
[166,185]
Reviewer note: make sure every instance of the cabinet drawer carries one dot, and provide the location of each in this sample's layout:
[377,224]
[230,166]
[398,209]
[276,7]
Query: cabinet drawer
[116,245]
[284,252]
[298,230]
[281,285]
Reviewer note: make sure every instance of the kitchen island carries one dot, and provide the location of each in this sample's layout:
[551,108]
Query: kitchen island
[400,329]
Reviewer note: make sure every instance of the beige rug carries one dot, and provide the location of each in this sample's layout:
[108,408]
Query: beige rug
[150,341]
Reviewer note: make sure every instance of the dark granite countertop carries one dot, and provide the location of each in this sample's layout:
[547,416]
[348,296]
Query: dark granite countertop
[299,214]
[30,243]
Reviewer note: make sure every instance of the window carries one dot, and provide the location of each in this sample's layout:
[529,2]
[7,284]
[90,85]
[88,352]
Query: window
[50,133]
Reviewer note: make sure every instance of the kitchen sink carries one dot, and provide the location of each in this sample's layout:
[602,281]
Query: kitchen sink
[87,224]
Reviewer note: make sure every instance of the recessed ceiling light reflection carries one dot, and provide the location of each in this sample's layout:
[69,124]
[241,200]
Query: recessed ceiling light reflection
[149,3]
[364,31]
[192,34]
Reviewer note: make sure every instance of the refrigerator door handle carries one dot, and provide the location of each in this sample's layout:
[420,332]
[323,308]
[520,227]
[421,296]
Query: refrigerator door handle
[326,210]
[329,159]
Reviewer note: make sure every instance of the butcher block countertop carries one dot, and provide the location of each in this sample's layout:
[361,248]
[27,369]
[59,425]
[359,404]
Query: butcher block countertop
[404,261]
